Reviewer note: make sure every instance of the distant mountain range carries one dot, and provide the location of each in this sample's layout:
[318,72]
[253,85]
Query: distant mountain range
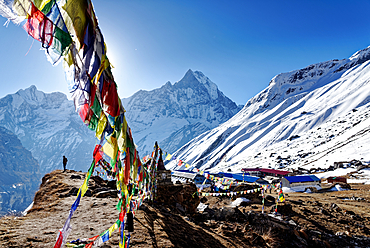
[49,127]
[310,117]
[19,174]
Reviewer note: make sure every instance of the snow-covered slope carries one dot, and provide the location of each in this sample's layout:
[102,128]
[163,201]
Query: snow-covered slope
[309,117]
[175,114]
[49,127]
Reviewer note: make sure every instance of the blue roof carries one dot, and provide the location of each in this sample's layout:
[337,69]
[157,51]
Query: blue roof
[298,179]
[184,171]
[239,177]
[250,179]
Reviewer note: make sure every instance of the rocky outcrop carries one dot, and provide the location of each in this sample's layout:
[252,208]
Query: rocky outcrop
[182,198]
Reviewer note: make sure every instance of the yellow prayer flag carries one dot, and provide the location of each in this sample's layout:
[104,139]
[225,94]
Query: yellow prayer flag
[124,187]
[108,149]
[169,156]
[103,66]
[76,10]
[112,228]
[69,61]
[83,187]
[135,170]
[101,125]
[124,126]
[115,148]
[122,139]
[119,184]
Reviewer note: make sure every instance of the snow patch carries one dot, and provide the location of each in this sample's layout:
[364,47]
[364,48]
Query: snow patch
[239,201]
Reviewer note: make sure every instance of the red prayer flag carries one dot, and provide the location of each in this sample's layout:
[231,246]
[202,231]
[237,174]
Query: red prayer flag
[122,215]
[141,171]
[84,110]
[110,98]
[98,154]
[58,244]
[39,27]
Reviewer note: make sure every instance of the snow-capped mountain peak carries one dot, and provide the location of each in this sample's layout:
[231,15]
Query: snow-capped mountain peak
[31,95]
[197,77]
[175,113]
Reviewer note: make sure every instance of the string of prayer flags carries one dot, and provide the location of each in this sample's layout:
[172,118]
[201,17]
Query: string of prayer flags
[250,191]
[68,31]
[220,181]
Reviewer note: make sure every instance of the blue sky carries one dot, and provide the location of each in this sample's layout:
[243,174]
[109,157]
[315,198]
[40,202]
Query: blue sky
[239,45]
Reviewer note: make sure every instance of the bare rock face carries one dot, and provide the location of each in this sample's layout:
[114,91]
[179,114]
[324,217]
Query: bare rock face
[19,174]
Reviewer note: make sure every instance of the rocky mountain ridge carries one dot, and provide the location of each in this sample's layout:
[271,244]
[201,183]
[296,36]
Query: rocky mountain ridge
[19,174]
[320,104]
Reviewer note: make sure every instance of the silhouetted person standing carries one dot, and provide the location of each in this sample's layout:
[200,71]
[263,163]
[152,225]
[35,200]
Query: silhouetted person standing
[65,160]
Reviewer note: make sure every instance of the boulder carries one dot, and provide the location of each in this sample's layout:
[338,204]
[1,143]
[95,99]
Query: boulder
[284,209]
[185,195]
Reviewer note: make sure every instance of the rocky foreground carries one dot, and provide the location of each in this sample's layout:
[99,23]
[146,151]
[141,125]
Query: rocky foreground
[330,219]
